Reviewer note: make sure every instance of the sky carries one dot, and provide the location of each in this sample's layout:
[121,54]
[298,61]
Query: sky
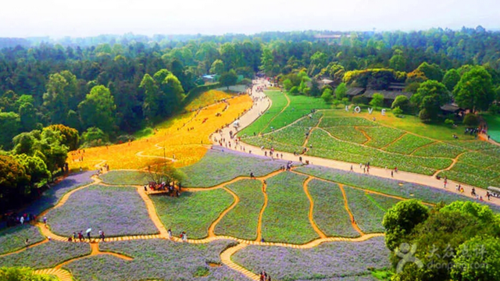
[58,18]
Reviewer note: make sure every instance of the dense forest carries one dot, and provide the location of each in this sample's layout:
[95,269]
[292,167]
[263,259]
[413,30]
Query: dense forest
[57,95]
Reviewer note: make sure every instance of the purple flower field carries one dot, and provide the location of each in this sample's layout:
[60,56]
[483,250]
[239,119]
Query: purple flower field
[389,186]
[12,239]
[46,255]
[53,195]
[328,261]
[155,259]
[217,167]
[117,211]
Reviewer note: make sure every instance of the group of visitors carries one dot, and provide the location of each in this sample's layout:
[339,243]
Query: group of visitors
[183,235]
[80,237]
[14,219]
[264,276]
[170,188]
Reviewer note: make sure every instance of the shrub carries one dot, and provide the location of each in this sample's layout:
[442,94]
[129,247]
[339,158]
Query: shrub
[359,100]
[402,102]
[377,100]
[449,122]
[397,111]
[494,108]
[294,90]
[471,120]
[424,115]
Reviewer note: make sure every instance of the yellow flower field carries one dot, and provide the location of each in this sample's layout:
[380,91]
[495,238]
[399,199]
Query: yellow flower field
[207,98]
[185,138]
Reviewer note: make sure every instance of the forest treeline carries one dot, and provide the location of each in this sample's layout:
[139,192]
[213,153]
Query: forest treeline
[59,95]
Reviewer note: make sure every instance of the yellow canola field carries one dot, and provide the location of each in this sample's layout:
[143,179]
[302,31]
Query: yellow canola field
[185,138]
[207,98]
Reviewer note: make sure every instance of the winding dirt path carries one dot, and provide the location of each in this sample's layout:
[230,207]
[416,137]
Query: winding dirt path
[261,213]
[211,228]
[311,209]
[346,205]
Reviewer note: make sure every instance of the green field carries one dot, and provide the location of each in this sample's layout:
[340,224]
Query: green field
[384,141]
[243,219]
[282,221]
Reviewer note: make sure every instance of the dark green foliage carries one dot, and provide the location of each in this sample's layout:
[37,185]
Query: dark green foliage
[471,120]
[22,274]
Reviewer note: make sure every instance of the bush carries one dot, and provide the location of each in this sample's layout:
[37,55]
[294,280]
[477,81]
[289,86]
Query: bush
[471,120]
[402,102]
[449,122]
[359,100]
[424,115]
[94,137]
[494,108]
[294,90]
[397,111]
[377,100]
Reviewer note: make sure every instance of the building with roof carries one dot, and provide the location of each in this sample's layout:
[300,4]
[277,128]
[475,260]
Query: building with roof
[389,96]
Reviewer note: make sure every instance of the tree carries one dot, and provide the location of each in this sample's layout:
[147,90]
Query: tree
[327,95]
[13,181]
[477,259]
[94,136]
[152,97]
[267,61]
[475,90]
[27,114]
[341,91]
[402,102]
[61,89]
[315,91]
[471,120]
[377,100]
[69,135]
[98,109]
[228,78]
[35,167]
[451,79]
[431,95]
[398,61]
[287,84]
[431,71]
[217,67]
[401,219]
[10,125]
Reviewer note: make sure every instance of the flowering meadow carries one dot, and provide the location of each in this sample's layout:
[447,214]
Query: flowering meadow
[156,259]
[126,177]
[284,221]
[192,212]
[46,255]
[325,262]
[13,238]
[183,137]
[243,219]
[117,211]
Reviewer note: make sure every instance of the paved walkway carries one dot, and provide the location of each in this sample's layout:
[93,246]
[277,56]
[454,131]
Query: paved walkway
[263,104]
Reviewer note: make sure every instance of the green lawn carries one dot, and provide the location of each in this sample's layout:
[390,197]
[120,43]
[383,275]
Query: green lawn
[279,101]
[286,215]
[366,213]
[243,219]
[493,122]
[330,214]
[193,212]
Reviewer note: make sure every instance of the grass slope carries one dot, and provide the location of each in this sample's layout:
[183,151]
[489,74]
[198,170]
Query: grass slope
[330,214]
[192,212]
[286,216]
[243,219]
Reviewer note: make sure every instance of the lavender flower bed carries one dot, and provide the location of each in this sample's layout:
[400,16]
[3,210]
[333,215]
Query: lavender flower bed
[330,214]
[117,211]
[286,215]
[367,214]
[12,239]
[242,220]
[328,261]
[50,197]
[126,177]
[46,255]
[388,186]
[193,212]
[217,167]
[155,259]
